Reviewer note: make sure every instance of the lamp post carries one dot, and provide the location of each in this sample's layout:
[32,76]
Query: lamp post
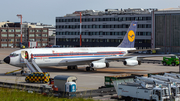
[20,16]
[80,30]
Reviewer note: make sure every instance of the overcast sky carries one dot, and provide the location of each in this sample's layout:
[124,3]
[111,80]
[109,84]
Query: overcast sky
[45,11]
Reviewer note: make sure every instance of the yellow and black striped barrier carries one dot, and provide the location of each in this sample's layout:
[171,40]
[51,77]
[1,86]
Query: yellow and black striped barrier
[12,71]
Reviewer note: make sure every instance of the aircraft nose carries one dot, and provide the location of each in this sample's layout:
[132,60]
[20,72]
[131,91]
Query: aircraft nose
[7,59]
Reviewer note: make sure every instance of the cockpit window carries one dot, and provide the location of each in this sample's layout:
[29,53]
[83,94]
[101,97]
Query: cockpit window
[13,54]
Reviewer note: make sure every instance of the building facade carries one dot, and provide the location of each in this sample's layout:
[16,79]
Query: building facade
[166,25]
[10,35]
[103,30]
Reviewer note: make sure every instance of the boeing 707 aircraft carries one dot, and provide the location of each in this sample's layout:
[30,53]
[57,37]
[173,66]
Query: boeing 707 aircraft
[95,57]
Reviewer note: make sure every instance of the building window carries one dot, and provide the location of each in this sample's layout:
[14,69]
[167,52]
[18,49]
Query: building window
[31,39]
[3,30]
[38,35]
[3,45]
[11,40]
[4,35]
[44,39]
[38,40]
[17,40]
[11,35]
[3,40]
[148,33]
[32,30]
[38,30]
[10,44]
[18,30]
[148,26]
[18,35]
[31,35]
[11,30]
[17,45]
[112,40]
[44,35]
[45,30]
[39,44]
[44,44]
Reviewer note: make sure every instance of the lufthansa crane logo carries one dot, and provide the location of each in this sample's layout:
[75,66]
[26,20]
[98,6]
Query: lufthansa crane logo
[131,35]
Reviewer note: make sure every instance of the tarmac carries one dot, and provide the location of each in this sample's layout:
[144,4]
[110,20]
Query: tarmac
[86,80]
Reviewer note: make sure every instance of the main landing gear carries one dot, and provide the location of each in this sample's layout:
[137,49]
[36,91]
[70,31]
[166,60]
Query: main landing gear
[90,69]
[71,67]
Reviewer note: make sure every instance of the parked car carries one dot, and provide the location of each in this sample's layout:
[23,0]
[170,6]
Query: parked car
[55,46]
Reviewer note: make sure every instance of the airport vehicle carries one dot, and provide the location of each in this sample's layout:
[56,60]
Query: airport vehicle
[95,57]
[137,91]
[175,87]
[174,75]
[42,77]
[174,60]
[172,86]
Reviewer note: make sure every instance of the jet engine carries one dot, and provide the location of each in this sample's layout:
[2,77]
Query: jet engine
[131,62]
[98,65]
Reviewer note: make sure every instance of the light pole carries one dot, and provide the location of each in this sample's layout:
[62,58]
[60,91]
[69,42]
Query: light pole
[20,16]
[80,30]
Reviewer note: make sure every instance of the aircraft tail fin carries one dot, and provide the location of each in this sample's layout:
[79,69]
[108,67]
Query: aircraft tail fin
[129,38]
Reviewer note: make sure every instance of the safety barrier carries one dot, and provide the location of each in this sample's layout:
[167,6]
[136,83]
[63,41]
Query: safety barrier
[49,91]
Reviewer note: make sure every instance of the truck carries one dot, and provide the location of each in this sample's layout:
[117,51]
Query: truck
[174,75]
[175,87]
[173,60]
[136,91]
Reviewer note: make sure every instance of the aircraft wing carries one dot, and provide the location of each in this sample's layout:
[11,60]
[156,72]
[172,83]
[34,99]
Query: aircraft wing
[111,58]
[142,50]
[89,60]
[139,57]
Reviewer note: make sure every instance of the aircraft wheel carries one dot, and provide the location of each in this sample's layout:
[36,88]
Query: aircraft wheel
[164,63]
[22,72]
[87,68]
[107,65]
[173,64]
[75,67]
[69,67]
[41,81]
[92,69]
[27,81]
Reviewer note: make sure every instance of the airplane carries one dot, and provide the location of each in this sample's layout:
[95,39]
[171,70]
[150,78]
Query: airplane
[95,57]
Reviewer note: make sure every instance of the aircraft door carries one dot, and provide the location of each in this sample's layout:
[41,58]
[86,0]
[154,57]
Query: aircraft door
[24,55]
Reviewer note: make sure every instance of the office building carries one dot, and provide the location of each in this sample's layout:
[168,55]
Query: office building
[10,34]
[103,28]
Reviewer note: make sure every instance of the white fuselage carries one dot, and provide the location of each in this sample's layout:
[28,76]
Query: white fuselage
[58,56]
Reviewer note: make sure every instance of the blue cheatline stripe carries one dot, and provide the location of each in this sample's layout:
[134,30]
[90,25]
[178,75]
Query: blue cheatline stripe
[80,56]
[62,54]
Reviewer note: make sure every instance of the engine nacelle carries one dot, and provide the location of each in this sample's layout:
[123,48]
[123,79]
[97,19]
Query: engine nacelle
[98,65]
[132,62]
